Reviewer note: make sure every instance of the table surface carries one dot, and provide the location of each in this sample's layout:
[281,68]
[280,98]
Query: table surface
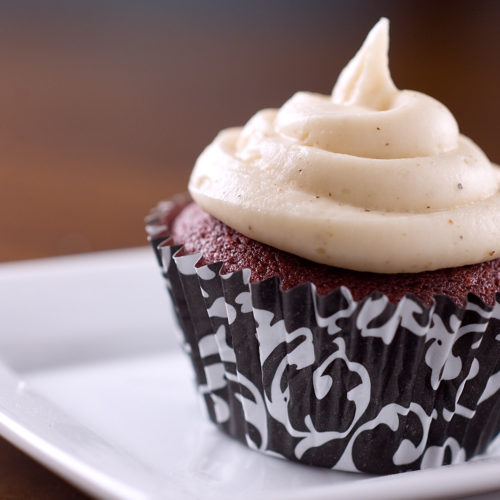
[103,115]
[22,477]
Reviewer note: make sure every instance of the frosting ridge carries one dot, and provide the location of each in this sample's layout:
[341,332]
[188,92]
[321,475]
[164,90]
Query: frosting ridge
[370,178]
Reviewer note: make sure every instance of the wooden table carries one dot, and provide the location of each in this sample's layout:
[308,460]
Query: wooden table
[103,115]
[23,478]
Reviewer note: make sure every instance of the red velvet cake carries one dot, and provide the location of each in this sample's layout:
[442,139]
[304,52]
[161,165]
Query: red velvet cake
[390,360]
[198,231]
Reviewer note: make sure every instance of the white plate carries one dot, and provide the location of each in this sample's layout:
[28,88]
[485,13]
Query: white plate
[92,384]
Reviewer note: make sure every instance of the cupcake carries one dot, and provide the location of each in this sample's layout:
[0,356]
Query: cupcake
[336,278]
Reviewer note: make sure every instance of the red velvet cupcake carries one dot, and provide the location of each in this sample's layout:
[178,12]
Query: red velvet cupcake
[336,280]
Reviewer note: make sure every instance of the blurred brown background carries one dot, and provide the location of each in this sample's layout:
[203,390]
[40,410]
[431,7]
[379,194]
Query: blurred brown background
[105,105]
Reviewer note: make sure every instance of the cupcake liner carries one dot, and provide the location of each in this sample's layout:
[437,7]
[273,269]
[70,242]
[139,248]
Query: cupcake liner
[369,386]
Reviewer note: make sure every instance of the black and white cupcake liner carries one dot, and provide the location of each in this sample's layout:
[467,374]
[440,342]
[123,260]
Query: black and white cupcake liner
[369,386]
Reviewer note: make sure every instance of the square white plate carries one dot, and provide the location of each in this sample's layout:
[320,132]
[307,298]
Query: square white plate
[92,384]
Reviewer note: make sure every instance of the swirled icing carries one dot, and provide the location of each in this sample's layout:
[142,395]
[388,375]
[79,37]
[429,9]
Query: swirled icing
[371,178]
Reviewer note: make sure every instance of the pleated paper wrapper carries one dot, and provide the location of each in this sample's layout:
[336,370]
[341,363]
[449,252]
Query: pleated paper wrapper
[369,386]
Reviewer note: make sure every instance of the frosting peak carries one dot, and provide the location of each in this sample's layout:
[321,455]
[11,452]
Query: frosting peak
[371,178]
[367,115]
[366,81]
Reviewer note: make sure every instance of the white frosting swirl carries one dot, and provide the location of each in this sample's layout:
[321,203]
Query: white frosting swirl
[370,178]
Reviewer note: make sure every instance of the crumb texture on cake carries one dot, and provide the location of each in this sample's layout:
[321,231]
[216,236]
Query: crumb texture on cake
[198,231]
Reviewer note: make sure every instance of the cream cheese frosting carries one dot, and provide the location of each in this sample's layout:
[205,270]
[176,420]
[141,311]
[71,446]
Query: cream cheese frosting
[370,178]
